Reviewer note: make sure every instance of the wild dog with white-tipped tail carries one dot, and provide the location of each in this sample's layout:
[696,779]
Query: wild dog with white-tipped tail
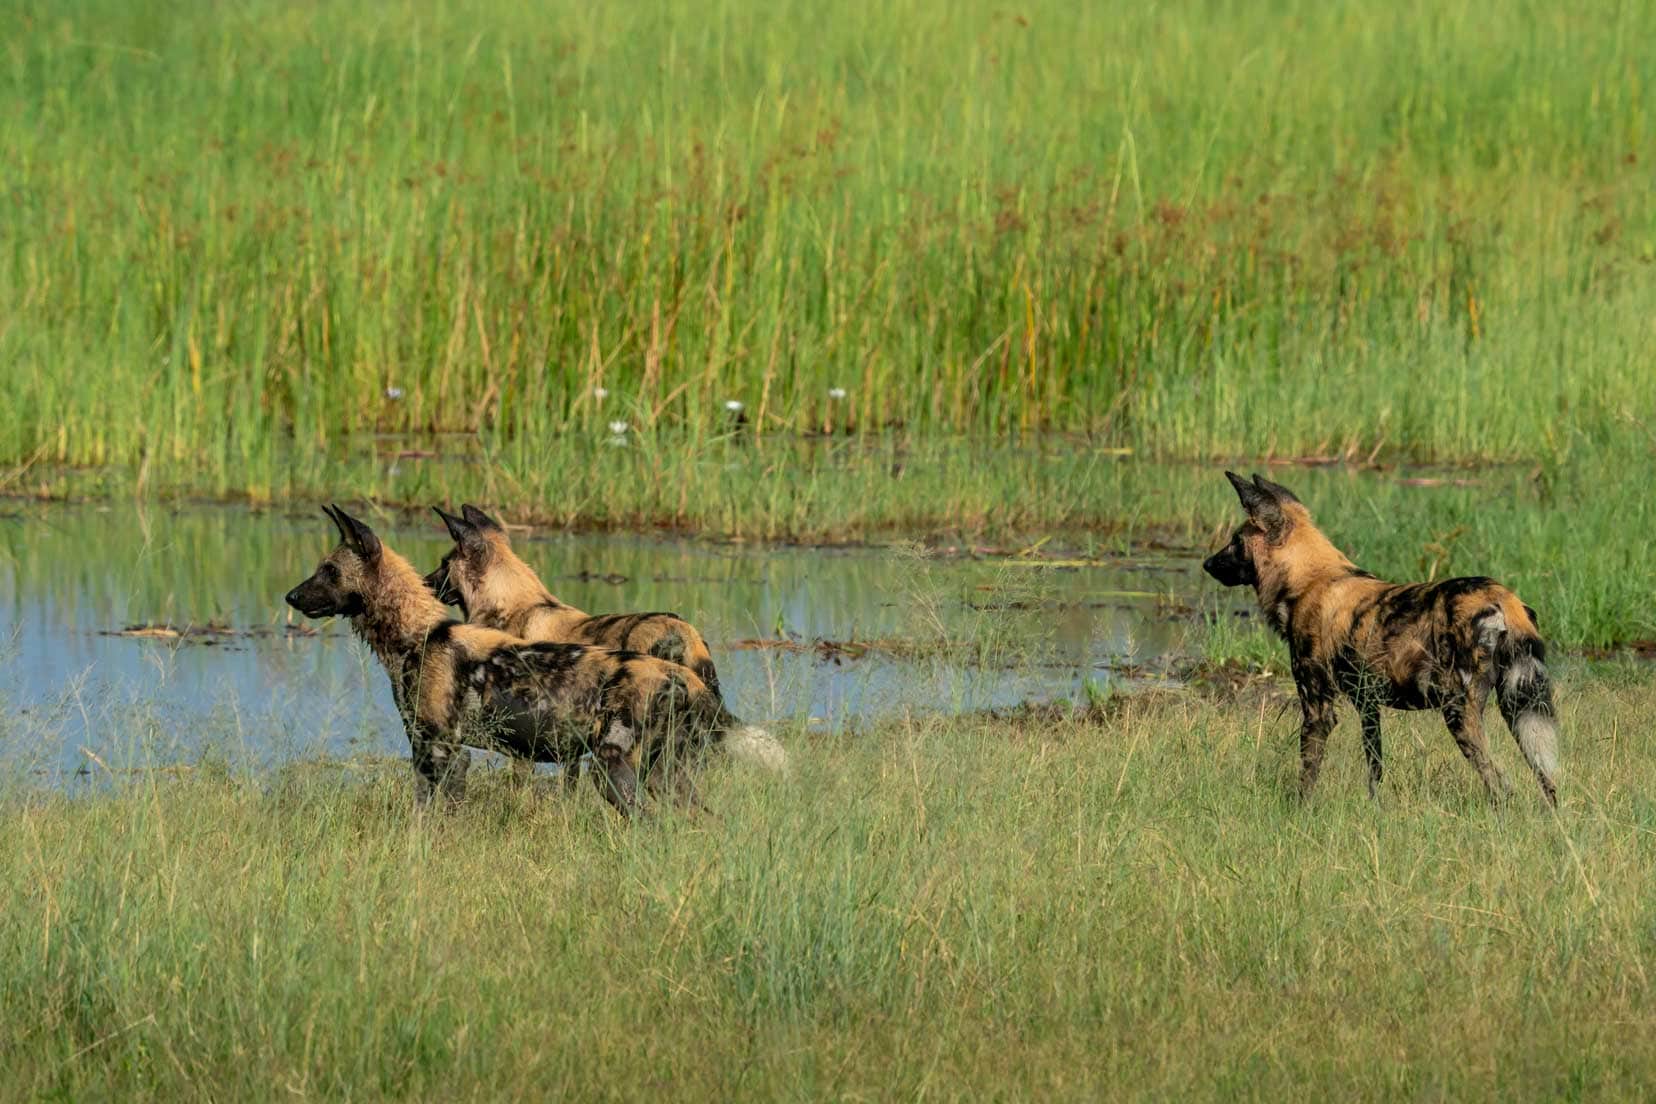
[647,721]
[1443,646]
[493,587]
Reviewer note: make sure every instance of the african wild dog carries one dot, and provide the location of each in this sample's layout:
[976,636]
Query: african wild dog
[1442,645]
[493,587]
[457,684]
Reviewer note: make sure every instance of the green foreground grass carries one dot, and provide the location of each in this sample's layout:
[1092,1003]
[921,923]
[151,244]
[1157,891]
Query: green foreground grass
[951,908]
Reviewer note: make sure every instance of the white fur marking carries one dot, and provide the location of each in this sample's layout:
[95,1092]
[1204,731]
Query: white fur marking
[1522,670]
[1491,627]
[754,745]
[1538,736]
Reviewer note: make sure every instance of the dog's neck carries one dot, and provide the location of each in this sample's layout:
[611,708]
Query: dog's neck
[1296,571]
[507,589]
[399,611]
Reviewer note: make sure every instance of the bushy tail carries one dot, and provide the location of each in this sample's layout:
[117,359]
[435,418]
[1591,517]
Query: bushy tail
[748,743]
[1525,694]
[755,745]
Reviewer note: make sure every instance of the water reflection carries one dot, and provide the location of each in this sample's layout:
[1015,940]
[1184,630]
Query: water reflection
[943,634]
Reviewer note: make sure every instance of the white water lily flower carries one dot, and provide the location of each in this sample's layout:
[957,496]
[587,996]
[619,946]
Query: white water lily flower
[618,428]
[836,393]
[733,405]
[600,393]
[393,393]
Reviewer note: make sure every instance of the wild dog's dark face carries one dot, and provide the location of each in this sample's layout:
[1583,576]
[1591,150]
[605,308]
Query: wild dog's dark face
[1233,564]
[336,588]
[1273,513]
[441,584]
[458,580]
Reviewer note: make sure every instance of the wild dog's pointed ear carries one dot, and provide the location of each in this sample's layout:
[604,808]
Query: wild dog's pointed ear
[358,537]
[344,534]
[1252,496]
[479,518]
[1262,505]
[465,534]
[1275,490]
[458,528]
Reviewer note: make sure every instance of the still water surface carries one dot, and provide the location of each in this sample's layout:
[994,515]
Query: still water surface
[79,694]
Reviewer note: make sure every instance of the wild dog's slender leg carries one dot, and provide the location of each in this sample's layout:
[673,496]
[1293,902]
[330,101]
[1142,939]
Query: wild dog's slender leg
[684,790]
[671,774]
[422,790]
[1318,723]
[1369,710]
[618,755]
[677,783]
[457,764]
[439,766]
[1317,698]
[419,757]
[571,768]
[1464,716]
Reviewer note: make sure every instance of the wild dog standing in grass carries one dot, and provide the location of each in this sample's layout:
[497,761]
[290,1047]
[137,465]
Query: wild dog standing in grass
[492,586]
[457,684]
[1438,646]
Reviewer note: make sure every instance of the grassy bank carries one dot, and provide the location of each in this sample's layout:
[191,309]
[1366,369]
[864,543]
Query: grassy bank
[1572,538]
[240,240]
[960,908]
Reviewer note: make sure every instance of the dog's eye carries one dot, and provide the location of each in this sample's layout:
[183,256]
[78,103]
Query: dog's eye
[328,574]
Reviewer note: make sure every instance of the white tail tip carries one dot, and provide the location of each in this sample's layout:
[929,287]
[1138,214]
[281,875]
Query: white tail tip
[754,745]
[1538,737]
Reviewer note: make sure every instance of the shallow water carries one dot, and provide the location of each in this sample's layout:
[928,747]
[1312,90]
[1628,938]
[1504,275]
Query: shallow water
[920,633]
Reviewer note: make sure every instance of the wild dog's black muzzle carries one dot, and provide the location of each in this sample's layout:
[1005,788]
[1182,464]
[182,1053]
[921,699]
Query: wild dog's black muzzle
[1228,569]
[309,599]
[440,584]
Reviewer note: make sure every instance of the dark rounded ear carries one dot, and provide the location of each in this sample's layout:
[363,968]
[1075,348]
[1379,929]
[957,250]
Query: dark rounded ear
[459,528]
[479,518]
[358,537]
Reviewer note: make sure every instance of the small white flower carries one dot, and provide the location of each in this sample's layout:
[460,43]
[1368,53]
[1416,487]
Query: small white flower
[618,428]
[733,405]
[393,393]
[836,393]
[600,393]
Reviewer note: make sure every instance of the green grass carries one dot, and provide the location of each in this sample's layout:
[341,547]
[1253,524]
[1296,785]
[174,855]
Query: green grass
[1419,230]
[1573,540]
[1062,260]
[957,908]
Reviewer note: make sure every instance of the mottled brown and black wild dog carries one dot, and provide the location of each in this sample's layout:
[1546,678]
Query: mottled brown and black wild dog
[493,587]
[457,684]
[1441,646]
